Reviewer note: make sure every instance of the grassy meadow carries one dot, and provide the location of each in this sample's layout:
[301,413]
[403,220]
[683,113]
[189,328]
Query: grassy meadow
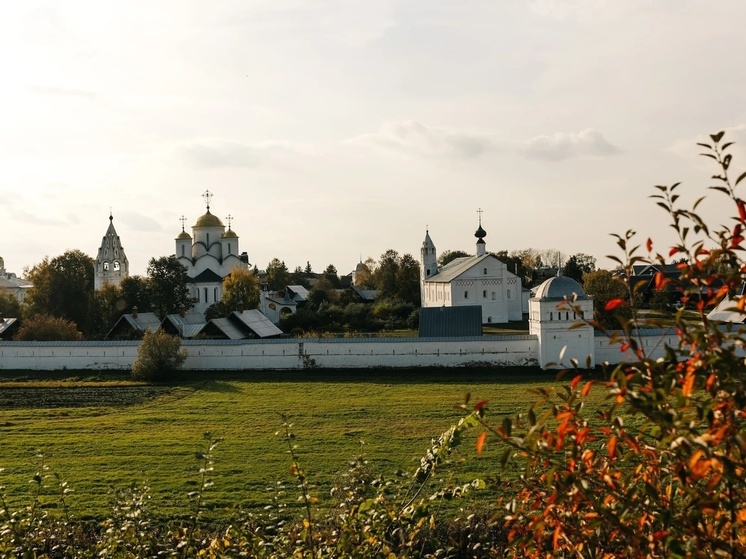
[105,432]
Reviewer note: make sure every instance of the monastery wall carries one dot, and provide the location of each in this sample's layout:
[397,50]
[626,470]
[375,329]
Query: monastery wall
[296,353]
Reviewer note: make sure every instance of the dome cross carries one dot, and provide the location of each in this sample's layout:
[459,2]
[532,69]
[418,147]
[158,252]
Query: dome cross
[207,195]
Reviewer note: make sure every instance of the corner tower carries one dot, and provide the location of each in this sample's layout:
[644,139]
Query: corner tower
[111,262]
[428,262]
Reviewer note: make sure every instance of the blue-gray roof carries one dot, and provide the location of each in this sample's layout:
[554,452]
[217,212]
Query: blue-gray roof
[558,288]
[450,321]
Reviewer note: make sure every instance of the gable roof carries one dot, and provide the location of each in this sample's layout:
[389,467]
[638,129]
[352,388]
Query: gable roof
[186,326]
[450,322]
[206,276]
[143,321]
[7,327]
[457,267]
[727,311]
[256,322]
[298,293]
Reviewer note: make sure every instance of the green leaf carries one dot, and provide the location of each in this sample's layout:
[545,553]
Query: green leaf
[717,137]
[741,177]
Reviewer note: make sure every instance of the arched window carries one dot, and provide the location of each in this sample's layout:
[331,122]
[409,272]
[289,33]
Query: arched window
[197,294]
[508,293]
[229,249]
[485,271]
[208,240]
[106,266]
[182,250]
[484,293]
[205,295]
[493,296]
[215,295]
[551,316]
[466,294]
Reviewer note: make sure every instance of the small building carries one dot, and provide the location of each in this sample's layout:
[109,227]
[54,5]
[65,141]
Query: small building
[241,325]
[185,325]
[12,284]
[133,326]
[276,305]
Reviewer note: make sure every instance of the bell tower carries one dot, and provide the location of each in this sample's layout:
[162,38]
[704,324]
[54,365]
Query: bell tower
[111,262]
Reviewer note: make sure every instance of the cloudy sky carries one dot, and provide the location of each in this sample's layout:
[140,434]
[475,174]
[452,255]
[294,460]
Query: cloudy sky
[335,129]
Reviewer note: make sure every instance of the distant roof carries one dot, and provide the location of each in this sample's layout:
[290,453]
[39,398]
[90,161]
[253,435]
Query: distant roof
[298,293]
[187,326]
[558,288]
[365,294]
[727,311]
[206,276]
[449,322]
[5,325]
[256,322]
[227,328]
[144,321]
[457,267]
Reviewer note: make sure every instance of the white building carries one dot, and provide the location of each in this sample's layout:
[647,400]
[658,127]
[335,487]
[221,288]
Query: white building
[472,280]
[11,284]
[111,262]
[208,254]
[554,316]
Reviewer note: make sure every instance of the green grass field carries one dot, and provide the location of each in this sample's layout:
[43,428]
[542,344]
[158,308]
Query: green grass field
[103,434]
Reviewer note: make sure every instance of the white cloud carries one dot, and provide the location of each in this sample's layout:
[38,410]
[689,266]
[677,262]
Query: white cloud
[566,145]
[413,138]
[215,152]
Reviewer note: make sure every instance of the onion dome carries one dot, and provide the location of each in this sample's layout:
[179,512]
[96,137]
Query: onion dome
[229,234]
[481,233]
[184,236]
[209,220]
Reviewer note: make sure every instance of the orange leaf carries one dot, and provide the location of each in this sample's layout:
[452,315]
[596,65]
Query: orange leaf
[479,405]
[575,381]
[587,388]
[614,303]
[480,442]
[673,251]
[649,244]
[688,385]
[611,446]
[741,210]
[660,280]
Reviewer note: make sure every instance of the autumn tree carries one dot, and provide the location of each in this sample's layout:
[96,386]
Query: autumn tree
[9,305]
[167,286]
[62,287]
[654,465]
[578,265]
[604,286]
[46,328]
[159,356]
[408,280]
[240,289]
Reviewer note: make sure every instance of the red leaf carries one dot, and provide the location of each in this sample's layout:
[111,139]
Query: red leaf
[673,251]
[587,388]
[479,405]
[575,381]
[614,303]
[660,280]
[741,210]
[649,244]
[611,446]
[480,442]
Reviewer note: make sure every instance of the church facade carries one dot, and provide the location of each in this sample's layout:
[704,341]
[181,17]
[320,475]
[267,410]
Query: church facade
[111,261]
[208,254]
[481,280]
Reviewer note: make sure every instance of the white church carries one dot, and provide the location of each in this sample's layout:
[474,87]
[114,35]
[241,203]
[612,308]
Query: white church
[481,280]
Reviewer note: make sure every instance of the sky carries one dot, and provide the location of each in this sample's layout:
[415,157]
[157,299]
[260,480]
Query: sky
[333,130]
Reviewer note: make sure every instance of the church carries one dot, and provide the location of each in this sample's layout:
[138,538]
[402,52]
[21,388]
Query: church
[480,280]
[208,254]
[111,262]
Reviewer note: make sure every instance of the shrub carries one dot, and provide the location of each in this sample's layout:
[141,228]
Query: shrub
[44,328]
[158,357]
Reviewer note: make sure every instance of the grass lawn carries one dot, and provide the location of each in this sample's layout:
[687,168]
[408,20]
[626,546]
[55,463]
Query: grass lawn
[102,434]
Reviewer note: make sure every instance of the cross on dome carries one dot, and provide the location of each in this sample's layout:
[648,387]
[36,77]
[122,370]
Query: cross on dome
[479,212]
[229,219]
[207,195]
[183,220]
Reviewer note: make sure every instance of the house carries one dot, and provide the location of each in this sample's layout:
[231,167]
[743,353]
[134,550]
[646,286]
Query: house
[185,325]
[12,284]
[133,326]
[241,325]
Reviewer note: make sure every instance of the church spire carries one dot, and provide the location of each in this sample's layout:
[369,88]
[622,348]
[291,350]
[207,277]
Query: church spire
[480,235]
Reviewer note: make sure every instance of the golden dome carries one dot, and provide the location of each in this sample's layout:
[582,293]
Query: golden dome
[209,220]
[230,233]
[184,235]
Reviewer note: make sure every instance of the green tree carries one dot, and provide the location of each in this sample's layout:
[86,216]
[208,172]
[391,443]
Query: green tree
[62,287]
[384,276]
[330,273]
[364,274]
[604,286]
[135,293]
[159,356]
[240,289]
[577,265]
[277,275]
[9,305]
[45,328]
[408,280]
[107,307]
[167,286]
[448,256]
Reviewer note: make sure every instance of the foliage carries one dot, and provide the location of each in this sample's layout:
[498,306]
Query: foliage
[276,275]
[167,286]
[448,256]
[135,293]
[605,286]
[330,273]
[107,307]
[158,357]
[9,305]
[398,277]
[661,471]
[578,265]
[62,287]
[42,328]
[240,289]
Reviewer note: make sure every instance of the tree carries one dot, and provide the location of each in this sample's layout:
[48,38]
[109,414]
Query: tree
[62,287]
[448,256]
[159,356]
[657,467]
[408,280]
[45,328]
[240,289]
[135,293]
[106,308]
[603,286]
[167,286]
[384,276]
[277,275]
[330,273]
[9,305]
[577,265]
[364,274]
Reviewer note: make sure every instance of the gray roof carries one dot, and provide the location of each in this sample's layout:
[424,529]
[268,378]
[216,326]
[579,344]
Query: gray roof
[6,323]
[227,328]
[457,267]
[206,276]
[299,293]
[727,311]
[188,325]
[450,322]
[558,288]
[365,294]
[144,321]
[256,322]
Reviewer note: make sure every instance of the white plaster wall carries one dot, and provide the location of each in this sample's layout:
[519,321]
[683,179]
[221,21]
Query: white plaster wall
[654,346]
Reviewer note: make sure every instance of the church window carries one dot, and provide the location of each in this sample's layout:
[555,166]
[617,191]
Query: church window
[106,266]
[205,295]
[485,271]
[116,265]
[198,294]
[489,320]
[183,250]
[567,315]
[427,273]
[229,249]
[508,293]
[208,240]
[484,293]
[551,316]
[466,294]
[215,295]
[493,296]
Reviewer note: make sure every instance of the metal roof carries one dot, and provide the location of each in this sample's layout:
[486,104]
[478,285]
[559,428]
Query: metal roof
[457,267]
[450,321]
[256,322]
[227,328]
[6,323]
[299,293]
[206,276]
